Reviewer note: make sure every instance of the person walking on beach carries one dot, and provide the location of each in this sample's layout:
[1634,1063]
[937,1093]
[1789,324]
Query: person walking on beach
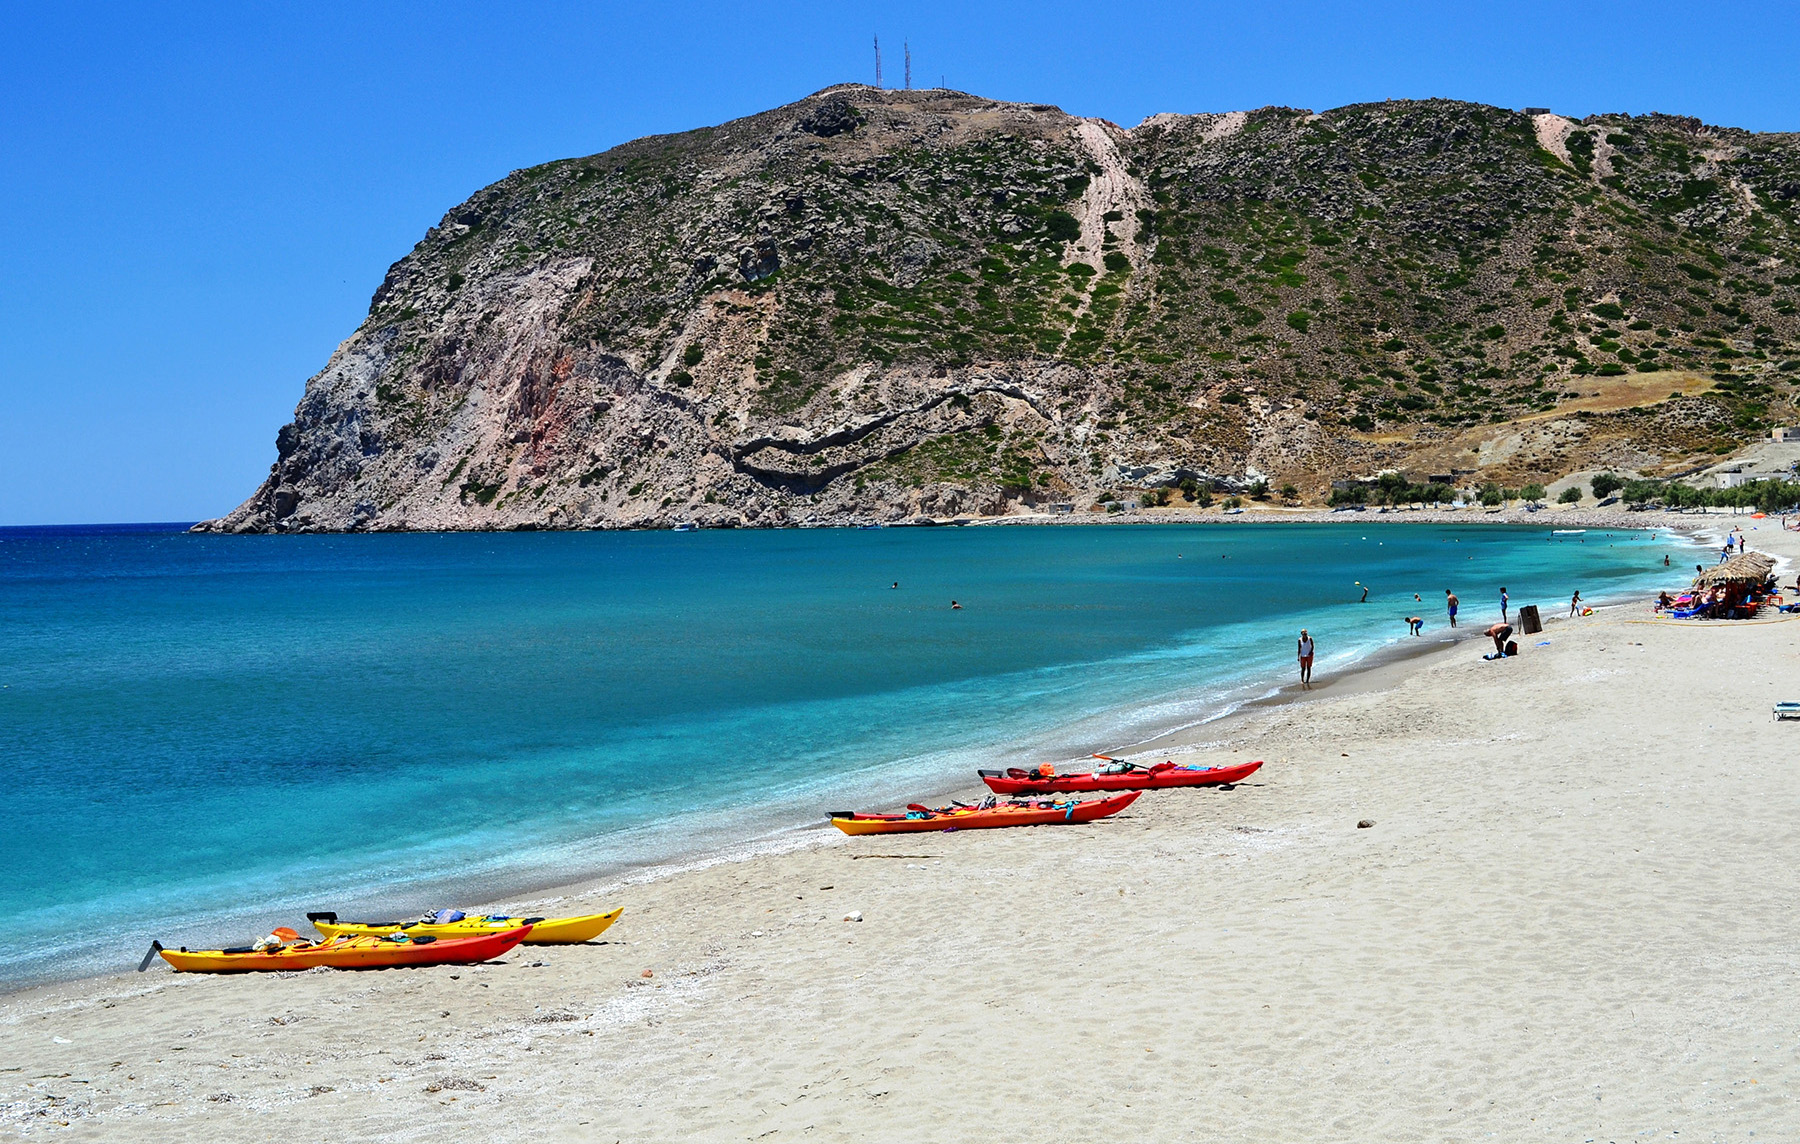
[1450,604]
[1575,602]
[1503,602]
[1306,658]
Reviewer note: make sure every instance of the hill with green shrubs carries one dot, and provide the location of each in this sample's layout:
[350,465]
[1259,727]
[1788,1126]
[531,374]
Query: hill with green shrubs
[874,305]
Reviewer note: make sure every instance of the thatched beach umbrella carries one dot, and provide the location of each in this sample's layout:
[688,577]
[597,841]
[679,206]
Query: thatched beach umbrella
[1751,567]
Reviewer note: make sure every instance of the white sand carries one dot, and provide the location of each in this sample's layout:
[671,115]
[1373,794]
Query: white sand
[1574,919]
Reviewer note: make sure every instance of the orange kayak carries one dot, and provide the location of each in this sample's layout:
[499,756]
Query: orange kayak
[365,952]
[1015,813]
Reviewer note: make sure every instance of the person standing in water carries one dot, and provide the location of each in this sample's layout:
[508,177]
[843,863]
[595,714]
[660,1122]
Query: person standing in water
[1503,601]
[1450,605]
[1414,623]
[1306,658]
[1365,595]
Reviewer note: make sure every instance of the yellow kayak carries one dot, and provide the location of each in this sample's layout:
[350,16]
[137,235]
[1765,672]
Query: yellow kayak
[544,931]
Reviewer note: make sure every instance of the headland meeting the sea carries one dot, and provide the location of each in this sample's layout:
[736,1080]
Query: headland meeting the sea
[207,730]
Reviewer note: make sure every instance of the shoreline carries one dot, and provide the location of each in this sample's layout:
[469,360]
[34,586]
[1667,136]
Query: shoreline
[1563,874]
[1378,666]
[1251,513]
[776,830]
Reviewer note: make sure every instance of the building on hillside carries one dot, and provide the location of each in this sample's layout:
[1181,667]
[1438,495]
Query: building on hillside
[1785,433]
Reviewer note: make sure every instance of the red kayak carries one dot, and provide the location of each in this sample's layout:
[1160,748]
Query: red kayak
[1118,776]
[958,817]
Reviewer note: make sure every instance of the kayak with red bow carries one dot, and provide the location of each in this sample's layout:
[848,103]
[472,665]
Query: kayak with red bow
[1043,812]
[281,950]
[1114,776]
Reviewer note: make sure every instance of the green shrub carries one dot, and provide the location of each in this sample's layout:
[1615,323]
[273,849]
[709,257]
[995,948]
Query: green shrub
[1116,262]
[1492,494]
[1605,484]
[692,355]
[1234,502]
[1532,492]
[1610,369]
[1290,493]
[682,378]
[1259,489]
[1062,226]
[1609,311]
[1300,320]
[455,280]
[1570,495]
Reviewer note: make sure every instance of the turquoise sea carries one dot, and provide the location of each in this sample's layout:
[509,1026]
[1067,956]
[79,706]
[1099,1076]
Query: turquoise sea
[203,736]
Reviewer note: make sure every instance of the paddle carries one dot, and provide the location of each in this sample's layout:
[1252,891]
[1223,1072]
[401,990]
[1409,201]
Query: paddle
[155,948]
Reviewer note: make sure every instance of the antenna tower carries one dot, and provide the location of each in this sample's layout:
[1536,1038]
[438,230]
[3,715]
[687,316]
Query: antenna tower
[907,48]
[878,63]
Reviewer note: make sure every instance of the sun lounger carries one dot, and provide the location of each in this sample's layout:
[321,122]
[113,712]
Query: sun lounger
[1787,711]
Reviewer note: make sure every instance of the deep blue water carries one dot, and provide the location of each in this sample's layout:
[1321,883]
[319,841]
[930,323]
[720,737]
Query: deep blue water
[202,736]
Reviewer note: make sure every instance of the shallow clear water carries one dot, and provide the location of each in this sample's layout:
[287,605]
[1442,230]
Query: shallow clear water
[203,736]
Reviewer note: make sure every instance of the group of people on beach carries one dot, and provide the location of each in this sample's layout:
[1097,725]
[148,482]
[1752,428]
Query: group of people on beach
[1501,633]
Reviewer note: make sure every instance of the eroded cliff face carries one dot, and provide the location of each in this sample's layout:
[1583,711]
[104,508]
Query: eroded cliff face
[872,305]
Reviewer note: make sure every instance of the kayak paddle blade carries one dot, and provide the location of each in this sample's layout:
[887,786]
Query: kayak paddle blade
[155,948]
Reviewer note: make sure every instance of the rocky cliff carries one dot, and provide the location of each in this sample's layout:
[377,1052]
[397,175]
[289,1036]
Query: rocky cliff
[871,305]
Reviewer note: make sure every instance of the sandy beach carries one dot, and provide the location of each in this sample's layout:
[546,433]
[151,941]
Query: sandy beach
[1573,918]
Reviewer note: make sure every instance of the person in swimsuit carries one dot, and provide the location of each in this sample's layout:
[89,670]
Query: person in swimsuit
[1306,658]
[1575,602]
[1504,598]
[1415,623]
[1501,633]
[1450,603]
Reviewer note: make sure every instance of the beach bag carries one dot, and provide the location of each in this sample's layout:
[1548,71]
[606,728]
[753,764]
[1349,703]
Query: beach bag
[1512,647]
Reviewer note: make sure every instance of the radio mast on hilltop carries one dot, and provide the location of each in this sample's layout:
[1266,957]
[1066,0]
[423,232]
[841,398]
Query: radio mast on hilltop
[878,63]
[907,49]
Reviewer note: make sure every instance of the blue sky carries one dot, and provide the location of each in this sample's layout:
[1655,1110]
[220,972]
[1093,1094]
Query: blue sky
[196,201]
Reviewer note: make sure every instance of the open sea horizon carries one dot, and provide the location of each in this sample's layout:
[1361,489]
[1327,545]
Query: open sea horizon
[203,737]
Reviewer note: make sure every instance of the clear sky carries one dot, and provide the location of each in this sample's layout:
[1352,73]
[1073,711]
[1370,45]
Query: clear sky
[197,200]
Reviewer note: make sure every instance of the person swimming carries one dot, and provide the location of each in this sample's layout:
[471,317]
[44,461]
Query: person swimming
[955,607]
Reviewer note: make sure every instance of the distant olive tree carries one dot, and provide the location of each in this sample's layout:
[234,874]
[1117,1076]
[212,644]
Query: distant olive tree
[1570,495]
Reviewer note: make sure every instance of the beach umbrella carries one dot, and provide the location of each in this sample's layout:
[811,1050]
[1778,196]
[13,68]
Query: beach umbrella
[1751,567]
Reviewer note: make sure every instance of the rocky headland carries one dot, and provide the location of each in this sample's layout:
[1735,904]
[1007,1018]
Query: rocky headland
[874,305]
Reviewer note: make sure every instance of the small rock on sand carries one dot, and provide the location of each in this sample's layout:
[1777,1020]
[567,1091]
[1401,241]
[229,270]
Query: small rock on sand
[1364,824]
[853,916]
